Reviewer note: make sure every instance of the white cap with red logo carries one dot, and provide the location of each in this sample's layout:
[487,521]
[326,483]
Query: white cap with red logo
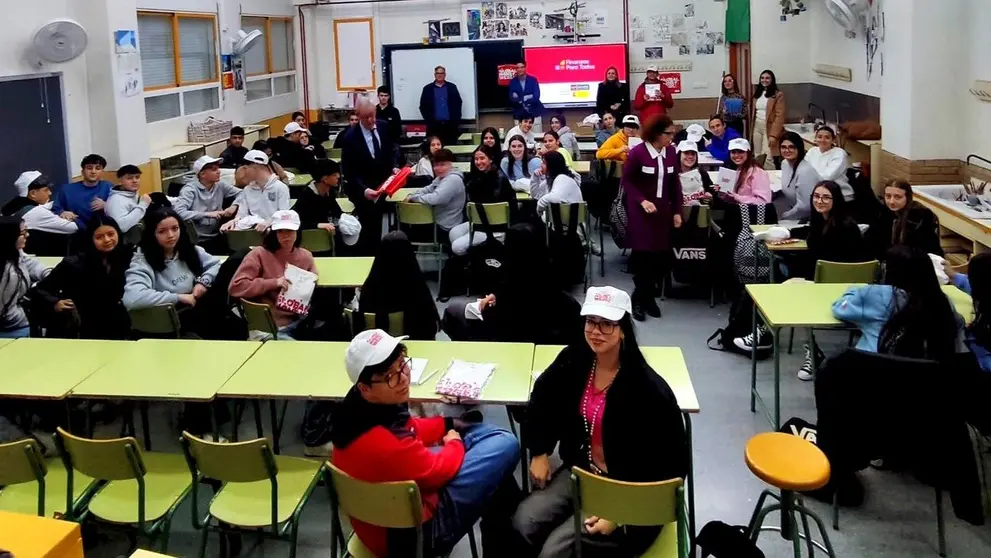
[285,219]
[607,302]
[369,348]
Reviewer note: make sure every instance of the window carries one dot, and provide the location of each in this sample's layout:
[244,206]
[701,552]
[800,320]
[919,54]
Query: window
[179,61]
[270,64]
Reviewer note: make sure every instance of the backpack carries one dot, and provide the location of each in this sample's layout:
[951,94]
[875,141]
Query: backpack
[566,248]
[747,269]
[618,219]
[740,324]
[485,261]
[721,540]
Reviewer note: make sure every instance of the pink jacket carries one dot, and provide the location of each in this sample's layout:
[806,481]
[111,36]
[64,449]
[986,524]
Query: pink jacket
[257,278]
[754,189]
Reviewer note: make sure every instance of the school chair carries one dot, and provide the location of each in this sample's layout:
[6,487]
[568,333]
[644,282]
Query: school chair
[239,240]
[335,153]
[476,138]
[842,272]
[139,489]
[261,492]
[156,320]
[133,235]
[317,240]
[392,323]
[35,485]
[634,503]
[394,505]
[347,206]
[420,215]
[258,317]
[561,213]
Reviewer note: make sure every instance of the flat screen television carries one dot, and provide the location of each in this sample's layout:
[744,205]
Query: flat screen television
[569,75]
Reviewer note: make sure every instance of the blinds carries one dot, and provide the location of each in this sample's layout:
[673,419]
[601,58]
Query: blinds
[282,48]
[197,52]
[162,107]
[157,53]
[284,84]
[254,59]
[200,100]
[258,89]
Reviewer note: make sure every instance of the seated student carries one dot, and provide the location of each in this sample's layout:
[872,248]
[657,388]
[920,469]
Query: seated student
[688,160]
[567,138]
[289,150]
[976,283]
[721,136]
[317,207]
[490,138]
[233,156]
[352,122]
[168,269]
[18,272]
[379,295]
[798,178]
[32,205]
[446,193]
[618,145]
[517,162]
[485,184]
[306,141]
[202,203]
[241,175]
[525,129]
[261,198]
[605,129]
[126,205]
[77,201]
[552,142]
[425,166]
[752,187]
[905,223]
[299,118]
[608,412]
[261,275]
[829,160]
[558,185]
[464,470]
[91,284]
[507,315]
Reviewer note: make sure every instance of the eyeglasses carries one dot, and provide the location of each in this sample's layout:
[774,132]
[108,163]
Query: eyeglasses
[822,197]
[788,147]
[669,132]
[392,379]
[605,327]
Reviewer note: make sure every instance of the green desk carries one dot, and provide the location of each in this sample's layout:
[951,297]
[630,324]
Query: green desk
[509,384]
[462,149]
[5,342]
[402,193]
[465,138]
[300,180]
[305,370]
[342,272]
[49,261]
[40,368]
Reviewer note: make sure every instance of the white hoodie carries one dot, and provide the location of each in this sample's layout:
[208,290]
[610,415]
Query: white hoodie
[125,207]
[264,201]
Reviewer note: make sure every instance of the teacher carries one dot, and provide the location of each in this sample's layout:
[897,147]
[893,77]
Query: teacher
[524,97]
[440,106]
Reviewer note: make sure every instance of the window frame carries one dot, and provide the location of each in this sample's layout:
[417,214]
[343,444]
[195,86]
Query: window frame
[267,33]
[177,52]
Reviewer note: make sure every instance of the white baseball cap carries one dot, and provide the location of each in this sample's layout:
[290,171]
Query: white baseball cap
[256,156]
[695,132]
[652,68]
[292,128]
[350,229]
[369,348]
[607,302]
[631,119]
[25,180]
[739,144]
[204,161]
[285,219]
[688,145]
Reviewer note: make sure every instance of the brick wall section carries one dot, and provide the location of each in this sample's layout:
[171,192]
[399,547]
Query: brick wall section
[926,171]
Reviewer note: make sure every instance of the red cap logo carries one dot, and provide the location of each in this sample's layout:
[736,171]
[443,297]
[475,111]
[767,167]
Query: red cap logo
[374,339]
[602,297]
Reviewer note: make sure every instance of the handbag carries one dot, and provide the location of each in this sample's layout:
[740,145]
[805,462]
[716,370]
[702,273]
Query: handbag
[618,219]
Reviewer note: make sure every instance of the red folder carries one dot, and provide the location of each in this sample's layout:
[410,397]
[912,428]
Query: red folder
[396,181]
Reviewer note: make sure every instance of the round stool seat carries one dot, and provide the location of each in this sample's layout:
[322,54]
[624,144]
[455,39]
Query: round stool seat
[787,461]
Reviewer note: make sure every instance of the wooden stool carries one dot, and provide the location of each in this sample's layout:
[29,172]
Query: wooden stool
[792,465]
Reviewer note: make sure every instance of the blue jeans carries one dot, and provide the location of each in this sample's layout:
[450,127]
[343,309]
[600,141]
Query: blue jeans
[16,333]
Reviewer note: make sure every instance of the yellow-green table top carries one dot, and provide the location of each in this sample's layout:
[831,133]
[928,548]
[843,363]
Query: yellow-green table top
[5,342]
[509,384]
[300,180]
[292,370]
[668,362]
[462,149]
[465,137]
[184,369]
[49,261]
[403,193]
[49,368]
[343,272]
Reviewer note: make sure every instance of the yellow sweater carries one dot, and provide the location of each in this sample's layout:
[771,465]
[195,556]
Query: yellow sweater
[612,148]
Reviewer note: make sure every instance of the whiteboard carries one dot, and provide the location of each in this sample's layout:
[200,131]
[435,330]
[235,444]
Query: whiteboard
[356,68]
[412,69]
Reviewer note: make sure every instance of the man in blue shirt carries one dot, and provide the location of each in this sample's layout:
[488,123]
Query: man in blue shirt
[524,97]
[440,105]
[77,201]
[718,145]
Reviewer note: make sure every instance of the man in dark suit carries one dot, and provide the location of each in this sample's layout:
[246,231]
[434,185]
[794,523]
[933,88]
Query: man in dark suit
[440,105]
[368,158]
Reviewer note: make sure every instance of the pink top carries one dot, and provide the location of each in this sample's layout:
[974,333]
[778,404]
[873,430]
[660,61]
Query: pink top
[755,189]
[594,406]
[258,275]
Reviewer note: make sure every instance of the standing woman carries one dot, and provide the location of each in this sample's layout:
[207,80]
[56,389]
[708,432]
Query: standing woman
[798,178]
[768,115]
[611,414]
[905,223]
[653,207]
[829,160]
[753,186]
[18,272]
[732,105]
[613,96]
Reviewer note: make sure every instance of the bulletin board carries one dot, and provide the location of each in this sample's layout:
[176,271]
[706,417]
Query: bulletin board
[356,67]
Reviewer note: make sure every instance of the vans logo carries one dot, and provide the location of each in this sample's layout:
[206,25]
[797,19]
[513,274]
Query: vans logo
[689,253]
[806,433]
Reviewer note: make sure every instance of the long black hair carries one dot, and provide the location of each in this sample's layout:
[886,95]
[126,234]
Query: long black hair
[771,90]
[425,147]
[397,260]
[524,162]
[923,325]
[630,356]
[979,273]
[555,166]
[495,134]
[795,139]
[154,253]
[120,256]
[10,257]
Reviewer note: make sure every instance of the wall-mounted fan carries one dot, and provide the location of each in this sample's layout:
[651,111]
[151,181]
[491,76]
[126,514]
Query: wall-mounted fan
[243,42]
[849,14]
[58,41]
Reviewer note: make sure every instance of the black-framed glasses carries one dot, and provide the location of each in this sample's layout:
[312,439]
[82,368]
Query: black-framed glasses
[605,327]
[669,132]
[822,197]
[788,146]
[392,379]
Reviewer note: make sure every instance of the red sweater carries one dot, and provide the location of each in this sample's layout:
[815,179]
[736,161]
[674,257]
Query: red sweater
[258,275]
[647,108]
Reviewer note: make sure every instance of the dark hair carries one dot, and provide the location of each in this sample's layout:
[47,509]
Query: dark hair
[120,257]
[440,68]
[324,167]
[443,156]
[979,273]
[10,232]
[524,162]
[39,183]
[696,165]
[552,134]
[606,75]
[610,112]
[523,62]
[560,118]
[744,168]
[491,152]
[718,117]
[526,116]
[153,251]
[298,114]
[425,147]
[128,169]
[555,166]
[924,325]
[654,127]
[722,84]
[259,145]
[381,368]
[839,213]
[494,132]
[237,131]
[396,258]
[384,89]
[630,356]
[827,128]
[271,240]
[771,90]
[93,159]
[795,139]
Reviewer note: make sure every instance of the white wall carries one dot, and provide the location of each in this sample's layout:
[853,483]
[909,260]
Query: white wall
[784,47]
[831,46]
[978,121]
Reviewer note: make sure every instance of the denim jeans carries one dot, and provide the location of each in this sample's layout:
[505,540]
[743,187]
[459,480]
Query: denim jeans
[15,333]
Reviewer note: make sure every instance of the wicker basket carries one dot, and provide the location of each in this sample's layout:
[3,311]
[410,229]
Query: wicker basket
[211,129]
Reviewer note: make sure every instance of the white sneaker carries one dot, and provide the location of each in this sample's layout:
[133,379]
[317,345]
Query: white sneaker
[323,451]
[764,340]
[595,248]
[805,372]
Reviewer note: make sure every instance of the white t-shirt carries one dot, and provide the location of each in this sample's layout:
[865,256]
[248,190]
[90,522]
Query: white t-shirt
[761,106]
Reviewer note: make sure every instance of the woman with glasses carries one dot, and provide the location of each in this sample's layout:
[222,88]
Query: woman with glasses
[608,412]
[18,272]
[798,177]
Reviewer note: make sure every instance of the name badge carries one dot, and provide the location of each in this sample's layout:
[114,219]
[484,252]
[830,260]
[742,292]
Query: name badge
[649,170]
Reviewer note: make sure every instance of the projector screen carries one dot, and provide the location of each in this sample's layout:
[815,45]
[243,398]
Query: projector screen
[569,76]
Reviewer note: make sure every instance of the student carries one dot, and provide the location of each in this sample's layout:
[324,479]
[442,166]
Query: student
[832,233]
[609,413]
[732,105]
[768,115]
[688,160]
[618,145]
[289,149]
[464,470]
[388,113]
[524,96]
[490,138]
[718,144]
[446,193]
[262,197]
[425,167]
[658,102]
[566,137]
[552,142]
[241,175]
[90,284]
[261,276]
[126,205]
[829,160]
[525,129]
[485,185]
[518,163]
[561,187]
[32,205]
[798,178]
[976,283]
[379,295]
[613,96]
[77,201]
[202,203]
[18,272]
[653,206]
[316,149]
[352,122]
[233,156]
[606,128]
[317,207]
[905,223]
[752,187]
[299,118]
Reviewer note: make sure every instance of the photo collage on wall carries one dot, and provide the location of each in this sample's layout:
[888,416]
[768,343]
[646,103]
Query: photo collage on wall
[674,34]
[501,20]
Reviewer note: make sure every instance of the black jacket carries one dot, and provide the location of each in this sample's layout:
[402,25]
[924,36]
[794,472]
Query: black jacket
[391,116]
[512,320]
[610,94]
[314,209]
[840,243]
[428,110]
[921,231]
[363,170]
[233,157]
[292,155]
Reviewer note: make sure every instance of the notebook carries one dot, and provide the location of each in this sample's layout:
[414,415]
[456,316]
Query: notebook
[416,376]
[465,379]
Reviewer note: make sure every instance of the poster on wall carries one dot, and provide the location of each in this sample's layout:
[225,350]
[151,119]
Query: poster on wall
[129,74]
[653,53]
[671,80]
[517,12]
[502,29]
[450,28]
[536,20]
[488,10]
[239,73]
[125,41]
[501,10]
[506,74]
[636,35]
[488,29]
[473,19]
[517,29]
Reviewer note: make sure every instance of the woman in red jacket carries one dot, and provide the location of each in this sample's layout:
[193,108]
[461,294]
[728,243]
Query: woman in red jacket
[652,97]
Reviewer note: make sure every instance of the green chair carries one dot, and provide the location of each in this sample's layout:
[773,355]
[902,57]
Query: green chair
[134,488]
[258,317]
[394,505]
[418,214]
[239,240]
[133,235]
[634,503]
[476,138]
[563,210]
[317,240]
[335,153]
[841,272]
[33,484]
[194,236]
[156,320]
[328,146]
[262,492]
[361,322]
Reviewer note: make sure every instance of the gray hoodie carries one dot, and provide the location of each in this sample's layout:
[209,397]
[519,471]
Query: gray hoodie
[12,291]
[195,201]
[447,196]
[569,141]
[144,287]
[125,207]
[263,202]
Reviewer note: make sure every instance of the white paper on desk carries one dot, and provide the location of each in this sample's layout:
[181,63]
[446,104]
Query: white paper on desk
[465,379]
[633,142]
[652,89]
[726,179]
[419,365]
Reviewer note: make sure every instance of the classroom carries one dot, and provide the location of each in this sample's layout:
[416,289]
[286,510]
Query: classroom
[695,277]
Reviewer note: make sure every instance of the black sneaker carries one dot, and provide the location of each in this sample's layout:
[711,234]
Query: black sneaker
[652,309]
[764,340]
[638,313]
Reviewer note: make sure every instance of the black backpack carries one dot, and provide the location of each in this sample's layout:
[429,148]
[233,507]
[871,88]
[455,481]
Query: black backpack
[485,271]
[721,540]
[567,251]
[740,324]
